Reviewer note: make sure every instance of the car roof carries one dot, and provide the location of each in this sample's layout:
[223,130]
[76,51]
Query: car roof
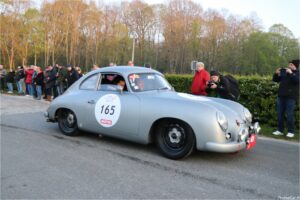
[126,70]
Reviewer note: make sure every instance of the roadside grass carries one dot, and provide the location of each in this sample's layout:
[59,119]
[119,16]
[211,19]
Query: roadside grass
[267,131]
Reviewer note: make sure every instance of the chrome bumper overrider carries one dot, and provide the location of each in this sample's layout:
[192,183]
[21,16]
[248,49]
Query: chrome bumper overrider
[235,146]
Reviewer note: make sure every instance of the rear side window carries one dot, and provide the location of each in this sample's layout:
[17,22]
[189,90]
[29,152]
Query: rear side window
[90,83]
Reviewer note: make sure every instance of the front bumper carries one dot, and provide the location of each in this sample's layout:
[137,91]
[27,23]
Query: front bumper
[242,142]
[225,148]
[46,115]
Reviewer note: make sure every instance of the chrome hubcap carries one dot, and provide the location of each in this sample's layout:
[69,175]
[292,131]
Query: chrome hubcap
[174,135]
[70,118]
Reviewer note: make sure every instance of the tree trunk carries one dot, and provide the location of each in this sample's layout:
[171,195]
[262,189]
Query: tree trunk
[34,54]
[11,59]
[53,60]
[86,55]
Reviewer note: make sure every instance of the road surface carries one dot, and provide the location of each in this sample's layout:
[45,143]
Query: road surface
[37,161]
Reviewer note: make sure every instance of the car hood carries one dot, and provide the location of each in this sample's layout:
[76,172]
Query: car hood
[228,107]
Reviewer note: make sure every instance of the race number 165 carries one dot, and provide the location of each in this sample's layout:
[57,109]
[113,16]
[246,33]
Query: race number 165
[108,109]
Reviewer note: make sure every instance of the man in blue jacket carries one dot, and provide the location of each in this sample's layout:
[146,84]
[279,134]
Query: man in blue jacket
[288,95]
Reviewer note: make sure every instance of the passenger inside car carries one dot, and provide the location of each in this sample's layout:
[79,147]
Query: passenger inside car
[112,82]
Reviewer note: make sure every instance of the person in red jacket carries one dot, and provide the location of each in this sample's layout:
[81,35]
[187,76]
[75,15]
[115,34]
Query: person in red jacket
[28,79]
[200,80]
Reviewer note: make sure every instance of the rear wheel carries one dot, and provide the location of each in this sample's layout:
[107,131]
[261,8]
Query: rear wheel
[175,139]
[67,122]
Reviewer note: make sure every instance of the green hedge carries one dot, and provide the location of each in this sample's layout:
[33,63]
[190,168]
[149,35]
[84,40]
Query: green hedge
[258,94]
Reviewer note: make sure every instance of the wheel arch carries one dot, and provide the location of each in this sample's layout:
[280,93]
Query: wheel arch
[156,123]
[59,110]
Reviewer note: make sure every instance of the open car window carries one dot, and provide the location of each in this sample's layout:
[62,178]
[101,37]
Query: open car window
[112,82]
[148,81]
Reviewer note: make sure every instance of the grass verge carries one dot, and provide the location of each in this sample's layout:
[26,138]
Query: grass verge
[268,130]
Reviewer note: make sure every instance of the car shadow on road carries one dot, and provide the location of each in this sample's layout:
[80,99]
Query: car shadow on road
[152,149]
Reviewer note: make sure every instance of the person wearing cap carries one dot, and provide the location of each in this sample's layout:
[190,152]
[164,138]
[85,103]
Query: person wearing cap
[288,95]
[147,65]
[200,80]
[220,85]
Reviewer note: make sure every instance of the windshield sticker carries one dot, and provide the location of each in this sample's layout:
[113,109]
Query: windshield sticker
[193,97]
[107,110]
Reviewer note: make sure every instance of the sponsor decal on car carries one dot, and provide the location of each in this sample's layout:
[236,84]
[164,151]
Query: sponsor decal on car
[107,110]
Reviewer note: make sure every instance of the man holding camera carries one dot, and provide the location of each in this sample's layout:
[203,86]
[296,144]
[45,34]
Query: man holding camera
[225,87]
[288,95]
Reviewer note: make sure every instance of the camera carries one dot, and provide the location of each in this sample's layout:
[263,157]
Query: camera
[282,71]
[209,84]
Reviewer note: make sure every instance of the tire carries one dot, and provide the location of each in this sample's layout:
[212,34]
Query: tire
[67,123]
[175,139]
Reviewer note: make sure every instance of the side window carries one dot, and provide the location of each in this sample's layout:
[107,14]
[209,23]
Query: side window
[112,82]
[90,83]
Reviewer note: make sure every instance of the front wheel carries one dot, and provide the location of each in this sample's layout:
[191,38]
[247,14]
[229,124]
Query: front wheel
[67,123]
[175,139]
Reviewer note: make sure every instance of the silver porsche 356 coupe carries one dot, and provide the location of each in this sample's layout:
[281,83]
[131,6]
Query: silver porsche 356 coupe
[138,104]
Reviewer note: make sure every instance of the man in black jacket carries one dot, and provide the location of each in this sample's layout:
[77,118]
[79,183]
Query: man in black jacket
[72,75]
[223,86]
[288,95]
[50,79]
[19,78]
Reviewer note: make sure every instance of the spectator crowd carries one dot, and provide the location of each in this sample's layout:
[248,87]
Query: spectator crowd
[47,84]
[33,81]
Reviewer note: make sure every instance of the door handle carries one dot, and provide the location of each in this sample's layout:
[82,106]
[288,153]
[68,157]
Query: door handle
[91,102]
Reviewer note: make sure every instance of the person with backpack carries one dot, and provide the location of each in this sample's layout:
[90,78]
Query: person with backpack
[226,87]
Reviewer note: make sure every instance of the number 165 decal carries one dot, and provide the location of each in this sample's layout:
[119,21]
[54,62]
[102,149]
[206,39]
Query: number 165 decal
[107,110]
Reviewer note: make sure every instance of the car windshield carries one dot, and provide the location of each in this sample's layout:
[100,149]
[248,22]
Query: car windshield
[148,81]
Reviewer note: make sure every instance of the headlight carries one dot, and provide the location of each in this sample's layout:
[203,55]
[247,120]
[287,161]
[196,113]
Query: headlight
[222,120]
[248,115]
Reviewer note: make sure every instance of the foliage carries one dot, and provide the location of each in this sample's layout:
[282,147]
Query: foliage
[167,36]
[258,94]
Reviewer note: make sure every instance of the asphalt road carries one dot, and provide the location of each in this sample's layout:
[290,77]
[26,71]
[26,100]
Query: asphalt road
[38,162]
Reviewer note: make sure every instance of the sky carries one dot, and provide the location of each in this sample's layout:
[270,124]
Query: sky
[286,12]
